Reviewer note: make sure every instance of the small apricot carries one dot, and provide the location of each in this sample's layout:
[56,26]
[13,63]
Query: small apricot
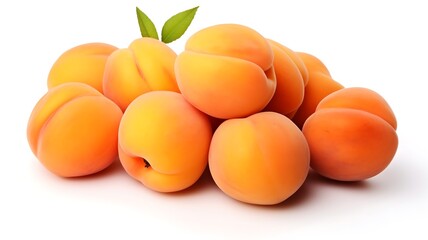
[72,130]
[84,63]
[164,141]
[146,65]
[262,159]
[351,135]
[226,71]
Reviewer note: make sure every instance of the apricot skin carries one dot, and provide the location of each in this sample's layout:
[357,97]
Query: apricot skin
[84,63]
[72,130]
[349,144]
[351,135]
[164,141]
[226,71]
[262,159]
[146,65]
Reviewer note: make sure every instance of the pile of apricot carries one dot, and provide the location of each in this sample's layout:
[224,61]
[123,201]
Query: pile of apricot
[253,111]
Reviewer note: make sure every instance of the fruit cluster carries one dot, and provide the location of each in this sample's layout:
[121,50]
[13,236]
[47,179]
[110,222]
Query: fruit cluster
[258,114]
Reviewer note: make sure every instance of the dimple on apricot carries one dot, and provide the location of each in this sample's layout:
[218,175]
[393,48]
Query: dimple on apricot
[164,141]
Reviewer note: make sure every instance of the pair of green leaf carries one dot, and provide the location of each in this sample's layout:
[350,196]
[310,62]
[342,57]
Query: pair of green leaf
[173,28]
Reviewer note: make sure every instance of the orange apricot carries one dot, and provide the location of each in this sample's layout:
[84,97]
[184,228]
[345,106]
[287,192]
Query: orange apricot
[262,159]
[84,63]
[72,130]
[146,65]
[226,71]
[164,141]
[351,135]
[290,85]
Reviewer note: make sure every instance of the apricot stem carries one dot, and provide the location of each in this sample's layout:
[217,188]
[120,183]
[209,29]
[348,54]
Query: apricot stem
[147,164]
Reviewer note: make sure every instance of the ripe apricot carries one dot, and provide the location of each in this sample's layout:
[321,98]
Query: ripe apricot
[146,65]
[262,159]
[320,85]
[164,141]
[351,135]
[290,85]
[84,63]
[72,130]
[226,71]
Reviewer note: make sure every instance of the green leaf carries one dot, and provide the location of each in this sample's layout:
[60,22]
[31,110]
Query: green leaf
[175,27]
[147,28]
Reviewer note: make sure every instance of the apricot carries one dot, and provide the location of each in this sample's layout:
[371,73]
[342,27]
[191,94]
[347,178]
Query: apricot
[262,159]
[164,141]
[226,71]
[146,65]
[290,85]
[351,135]
[84,63]
[320,85]
[72,130]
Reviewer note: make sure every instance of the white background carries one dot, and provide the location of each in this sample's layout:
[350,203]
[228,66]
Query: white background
[381,45]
